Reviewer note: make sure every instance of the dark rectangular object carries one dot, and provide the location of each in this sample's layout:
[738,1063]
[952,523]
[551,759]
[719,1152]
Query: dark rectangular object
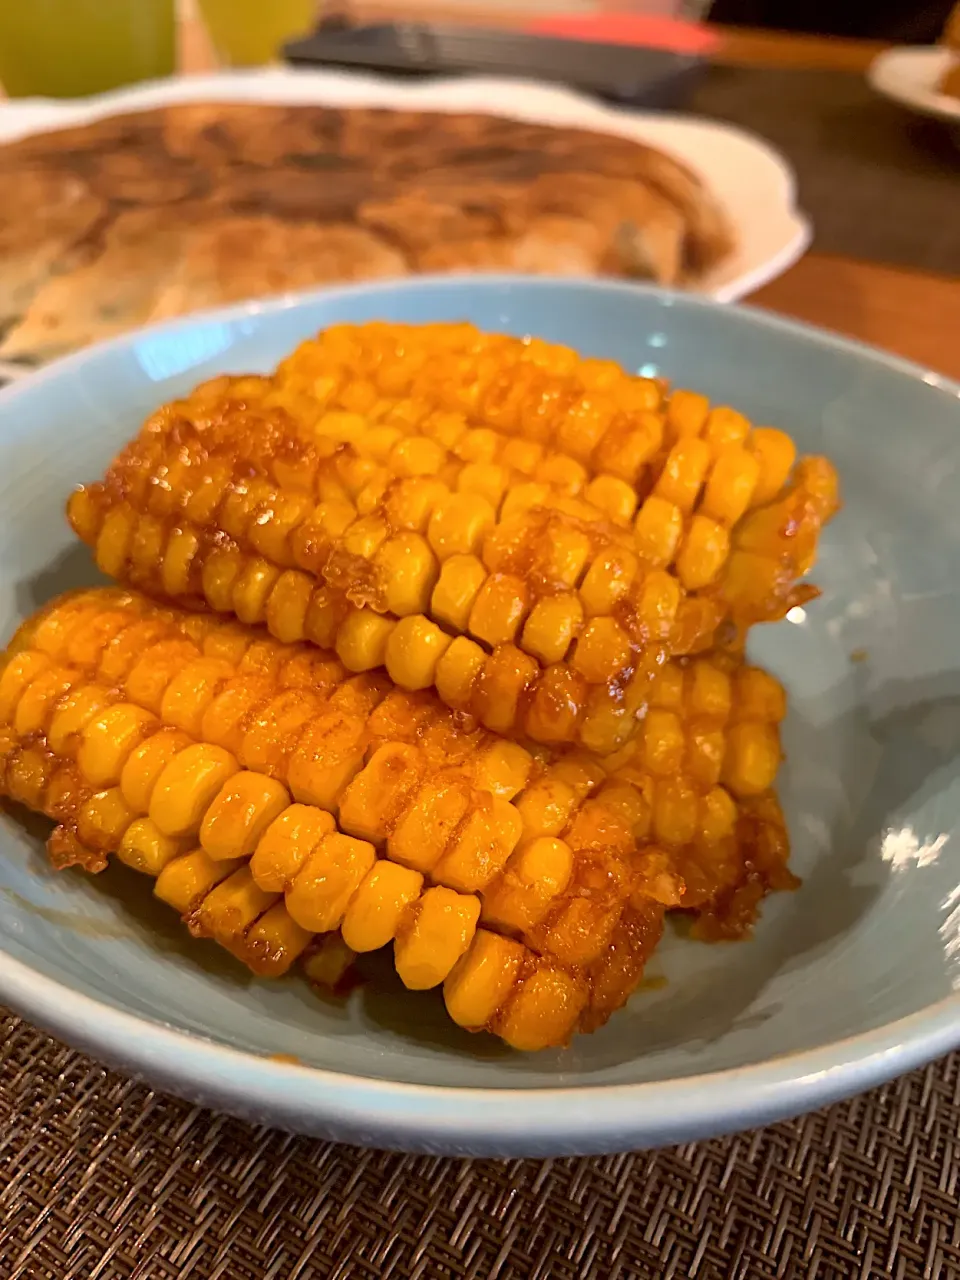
[625,74]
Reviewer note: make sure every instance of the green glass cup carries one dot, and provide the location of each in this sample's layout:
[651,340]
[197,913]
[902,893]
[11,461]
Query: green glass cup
[71,48]
[247,33]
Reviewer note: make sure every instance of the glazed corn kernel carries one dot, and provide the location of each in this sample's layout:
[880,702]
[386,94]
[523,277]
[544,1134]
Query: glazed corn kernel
[377,909]
[187,786]
[108,740]
[482,979]
[286,844]
[242,810]
[144,847]
[328,880]
[439,929]
[543,1010]
[536,874]
[185,881]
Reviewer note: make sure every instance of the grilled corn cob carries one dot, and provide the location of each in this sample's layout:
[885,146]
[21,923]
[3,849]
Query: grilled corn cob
[533,606]
[183,811]
[469,809]
[466,851]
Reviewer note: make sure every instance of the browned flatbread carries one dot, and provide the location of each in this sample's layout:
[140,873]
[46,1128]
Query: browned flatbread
[160,212]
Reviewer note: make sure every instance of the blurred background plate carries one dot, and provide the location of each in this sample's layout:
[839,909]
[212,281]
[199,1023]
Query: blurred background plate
[910,75]
[849,981]
[751,179]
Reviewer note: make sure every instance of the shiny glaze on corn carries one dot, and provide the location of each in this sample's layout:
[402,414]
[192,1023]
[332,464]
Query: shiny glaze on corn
[528,533]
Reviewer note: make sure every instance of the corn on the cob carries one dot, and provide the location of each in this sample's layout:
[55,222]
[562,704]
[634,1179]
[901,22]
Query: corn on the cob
[304,502]
[518,882]
[410,779]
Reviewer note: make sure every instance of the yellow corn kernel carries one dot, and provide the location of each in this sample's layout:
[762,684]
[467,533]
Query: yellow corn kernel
[410,503]
[269,535]
[562,473]
[327,964]
[364,536]
[286,844]
[730,487]
[709,691]
[607,721]
[150,675]
[775,452]
[704,755]
[341,427]
[221,569]
[373,802]
[658,602]
[545,807]
[630,805]
[481,846]
[231,907]
[18,674]
[758,696]
[191,691]
[663,742]
[486,479]
[328,755]
[461,578]
[522,498]
[178,556]
[252,588]
[187,787]
[102,819]
[657,531]
[582,772]
[416,456]
[625,453]
[503,768]
[458,524]
[718,816]
[310,542]
[146,762]
[483,977]
[683,473]
[507,677]
[114,540]
[725,427]
[614,497]
[436,933]
[479,444]
[240,814]
[185,882]
[145,848]
[534,877]
[224,721]
[40,698]
[109,738]
[272,943]
[362,639]
[413,649]
[687,412]
[119,656]
[553,624]
[666,688]
[752,758]
[29,772]
[288,604]
[408,571]
[607,581]
[83,513]
[72,715]
[703,554]
[520,455]
[498,609]
[602,652]
[376,910]
[328,880]
[90,636]
[428,823]
[458,671]
[543,1010]
[674,812]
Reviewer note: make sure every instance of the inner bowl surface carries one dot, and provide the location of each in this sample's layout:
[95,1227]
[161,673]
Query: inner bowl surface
[848,981]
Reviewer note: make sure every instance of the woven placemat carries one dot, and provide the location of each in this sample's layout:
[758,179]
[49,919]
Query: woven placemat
[877,181]
[101,1178]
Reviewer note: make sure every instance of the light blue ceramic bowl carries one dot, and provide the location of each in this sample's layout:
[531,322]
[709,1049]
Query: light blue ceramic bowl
[847,982]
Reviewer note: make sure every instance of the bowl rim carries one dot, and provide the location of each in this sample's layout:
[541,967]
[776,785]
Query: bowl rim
[530,1120]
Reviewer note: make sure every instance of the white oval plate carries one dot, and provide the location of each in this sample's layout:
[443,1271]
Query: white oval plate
[910,76]
[754,183]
